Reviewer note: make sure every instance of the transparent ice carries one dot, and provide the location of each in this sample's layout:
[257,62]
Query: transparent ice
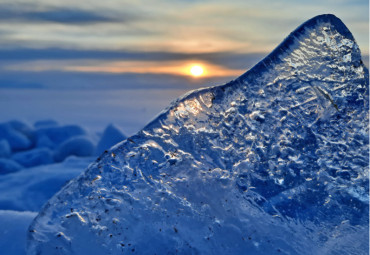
[274,162]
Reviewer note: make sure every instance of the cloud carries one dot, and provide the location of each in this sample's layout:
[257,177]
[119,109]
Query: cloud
[82,80]
[57,15]
[231,60]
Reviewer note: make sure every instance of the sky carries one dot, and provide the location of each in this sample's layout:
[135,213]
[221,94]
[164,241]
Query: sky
[141,45]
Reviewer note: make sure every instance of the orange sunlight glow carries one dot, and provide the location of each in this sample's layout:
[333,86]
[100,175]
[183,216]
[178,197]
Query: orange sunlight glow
[196,70]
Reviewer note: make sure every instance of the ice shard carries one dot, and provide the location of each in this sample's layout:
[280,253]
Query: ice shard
[274,162]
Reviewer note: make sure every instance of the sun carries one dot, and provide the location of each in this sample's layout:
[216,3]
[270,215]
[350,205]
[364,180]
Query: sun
[196,70]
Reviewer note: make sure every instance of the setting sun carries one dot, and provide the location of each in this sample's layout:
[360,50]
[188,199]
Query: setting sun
[196,70]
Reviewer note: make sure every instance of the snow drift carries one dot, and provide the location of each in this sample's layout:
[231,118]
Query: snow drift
[47,142]
[274,162]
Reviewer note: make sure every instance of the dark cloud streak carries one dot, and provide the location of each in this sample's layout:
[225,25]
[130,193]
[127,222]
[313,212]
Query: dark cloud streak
[82,80]
[58,15]
[230,60]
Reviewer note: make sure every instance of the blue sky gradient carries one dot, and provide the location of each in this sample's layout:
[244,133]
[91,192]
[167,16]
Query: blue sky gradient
[146,45]
[232,35]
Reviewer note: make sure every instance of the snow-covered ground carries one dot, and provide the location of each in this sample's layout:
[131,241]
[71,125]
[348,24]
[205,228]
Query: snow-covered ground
[13,230]
[23,193]
[35,162]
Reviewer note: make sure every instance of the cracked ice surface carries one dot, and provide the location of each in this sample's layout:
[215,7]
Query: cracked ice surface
[274,162]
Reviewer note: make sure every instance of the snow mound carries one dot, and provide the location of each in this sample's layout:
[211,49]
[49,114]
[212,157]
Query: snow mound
[111,136]
[80,146]
[22,128]
[29,189]
[274,162]
[9,166]
[22,146]
[16,139]
[60,134]
[34,157]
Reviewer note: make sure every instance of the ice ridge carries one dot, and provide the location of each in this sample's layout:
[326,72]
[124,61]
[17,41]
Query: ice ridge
[274,162]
